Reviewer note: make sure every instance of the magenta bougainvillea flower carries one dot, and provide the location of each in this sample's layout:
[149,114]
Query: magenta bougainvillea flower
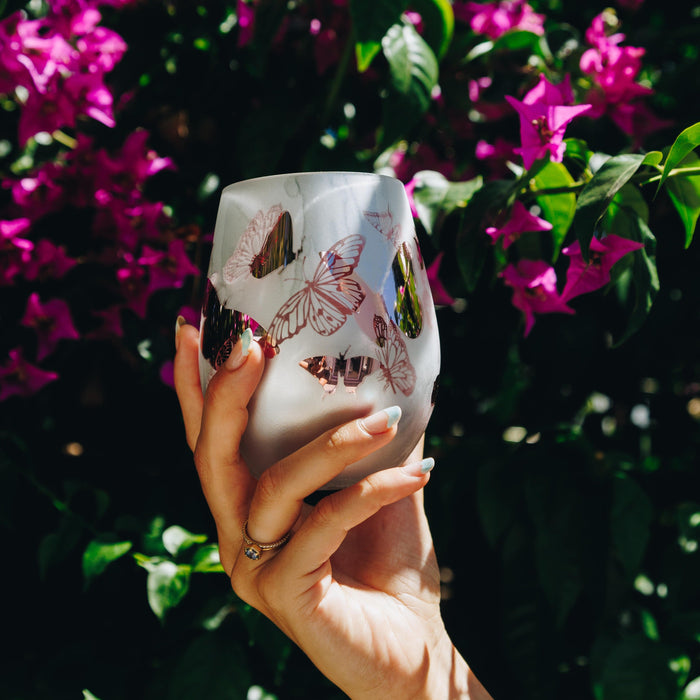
[534,284]
[614,70]
[493,19]
[167,269]
[441,296]
[15,251]
[520,220]
[586,276]
[47,261]
[21,378]
[52,322]
[545,112]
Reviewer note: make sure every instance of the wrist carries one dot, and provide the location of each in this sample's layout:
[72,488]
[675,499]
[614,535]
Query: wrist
[449,676]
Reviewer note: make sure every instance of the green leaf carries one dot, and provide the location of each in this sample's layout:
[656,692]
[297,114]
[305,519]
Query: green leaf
[516,40]
[412,63]
[692,690]
[166,586]
[176,539]
[686,141]
[630,523]
[87,695]
[438,23]
[634,668]
[558,209]
[214,666]
[599,192]
[371,20]
[365,51]
[206,560]
[436,197]
[472,246]
[98,555]
[684,191]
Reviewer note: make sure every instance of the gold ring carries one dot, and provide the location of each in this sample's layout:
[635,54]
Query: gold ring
[253,550]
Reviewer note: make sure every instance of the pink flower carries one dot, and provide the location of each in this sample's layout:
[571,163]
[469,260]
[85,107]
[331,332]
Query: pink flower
[519,222]
[544,115]
[246,22]
[51,321]
[495,155]
[15,252]
[132,283]
[494,19]
[586,276]
[167,269]
[20,378]
[441,296]
[48,261]
[534,284]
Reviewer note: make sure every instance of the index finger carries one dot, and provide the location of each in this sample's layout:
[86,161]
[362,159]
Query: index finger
[186,375]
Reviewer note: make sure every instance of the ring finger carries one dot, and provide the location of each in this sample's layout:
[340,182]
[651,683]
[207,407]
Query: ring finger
[280,492]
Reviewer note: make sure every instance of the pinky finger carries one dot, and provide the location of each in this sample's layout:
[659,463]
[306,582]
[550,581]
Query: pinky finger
[324,530]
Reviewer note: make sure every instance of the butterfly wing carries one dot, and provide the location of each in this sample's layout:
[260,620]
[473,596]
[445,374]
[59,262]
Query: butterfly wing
[328,299]
[396,366]
[333,296]
[383,221]
[251,243]
[291,317]
[277,251]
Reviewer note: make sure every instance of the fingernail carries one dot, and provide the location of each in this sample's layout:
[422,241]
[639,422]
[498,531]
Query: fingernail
[179,323]
[381,421]
[419,468]
[240,351]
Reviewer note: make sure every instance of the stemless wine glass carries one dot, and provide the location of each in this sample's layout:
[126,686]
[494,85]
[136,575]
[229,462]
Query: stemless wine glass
[326,270]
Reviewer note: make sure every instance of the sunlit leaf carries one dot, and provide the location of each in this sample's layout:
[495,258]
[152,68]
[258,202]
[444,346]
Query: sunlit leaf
[684,191]
[98,555]
[166,586]
[686,141]
[206,560]
[436,197]
[371,20]
[599,192]
[559,208]
[438,23]
[413,66]
[176,539]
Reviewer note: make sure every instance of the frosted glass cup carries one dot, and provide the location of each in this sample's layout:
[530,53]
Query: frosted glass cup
[326,271]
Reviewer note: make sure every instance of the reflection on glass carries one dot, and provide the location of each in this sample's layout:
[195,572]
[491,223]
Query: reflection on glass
[277,250]
[222,327]
[328,369]
[407,307]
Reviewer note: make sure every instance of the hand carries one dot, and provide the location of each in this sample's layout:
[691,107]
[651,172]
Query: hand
[357,585]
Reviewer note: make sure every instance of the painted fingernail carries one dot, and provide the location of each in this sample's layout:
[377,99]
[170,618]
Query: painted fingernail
[240,351]
[179,323]
[419,468]
[381,421]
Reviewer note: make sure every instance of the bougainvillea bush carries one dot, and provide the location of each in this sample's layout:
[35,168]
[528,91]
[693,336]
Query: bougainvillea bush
[549,155]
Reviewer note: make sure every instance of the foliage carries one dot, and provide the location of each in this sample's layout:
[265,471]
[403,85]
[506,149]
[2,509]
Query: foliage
[550,157]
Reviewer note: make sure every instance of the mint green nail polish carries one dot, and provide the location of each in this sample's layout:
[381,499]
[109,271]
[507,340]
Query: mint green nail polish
[427,465]
[419,468]
[246,339]
[393,414]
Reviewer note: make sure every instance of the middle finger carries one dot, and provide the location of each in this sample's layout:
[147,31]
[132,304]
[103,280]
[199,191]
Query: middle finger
[278,498]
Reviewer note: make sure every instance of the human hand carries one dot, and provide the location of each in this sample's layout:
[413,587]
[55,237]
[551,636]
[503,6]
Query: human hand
[357,585]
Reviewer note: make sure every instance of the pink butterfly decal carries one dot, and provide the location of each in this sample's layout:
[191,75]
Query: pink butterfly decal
[325,301]
[266,245]
[395,364]
[383,221]
[328,370]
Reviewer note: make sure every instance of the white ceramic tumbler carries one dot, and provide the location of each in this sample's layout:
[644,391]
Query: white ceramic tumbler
[326,270]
